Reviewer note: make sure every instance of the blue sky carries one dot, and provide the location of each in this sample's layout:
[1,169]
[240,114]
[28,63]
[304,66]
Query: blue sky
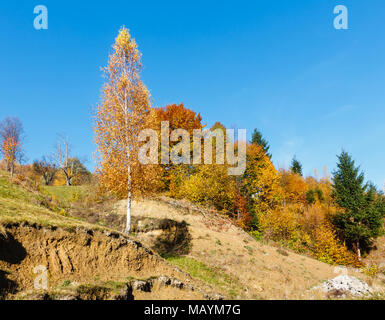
[279,66]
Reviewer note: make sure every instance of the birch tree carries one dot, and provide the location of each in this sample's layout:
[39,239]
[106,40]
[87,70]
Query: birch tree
[119,119]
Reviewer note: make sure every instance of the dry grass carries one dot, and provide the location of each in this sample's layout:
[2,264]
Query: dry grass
[20,205]
[259,271]
[221,254]
[2,231]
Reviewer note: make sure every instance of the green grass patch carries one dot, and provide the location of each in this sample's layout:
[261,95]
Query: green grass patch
[249,249]
[209,275]
[9,190]
[18,205]
[65,194]
[66,283]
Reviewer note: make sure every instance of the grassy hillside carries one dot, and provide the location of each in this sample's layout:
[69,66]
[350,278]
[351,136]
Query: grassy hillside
[218,255]
[224,255]
[65,194]
[20,203]
[83,259]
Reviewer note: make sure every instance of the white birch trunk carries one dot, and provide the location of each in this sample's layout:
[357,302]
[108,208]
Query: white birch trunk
[128,218]
[128,221]
[359,251]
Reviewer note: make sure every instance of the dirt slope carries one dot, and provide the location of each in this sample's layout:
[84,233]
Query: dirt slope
[84,260]
[87,257]
[256,270]
[93,261]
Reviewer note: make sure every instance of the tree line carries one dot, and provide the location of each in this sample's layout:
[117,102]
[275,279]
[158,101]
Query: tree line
[330,218]
[59,165]
[335,218]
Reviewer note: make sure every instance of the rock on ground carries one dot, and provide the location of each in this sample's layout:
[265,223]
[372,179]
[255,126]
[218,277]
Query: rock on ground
[344,284]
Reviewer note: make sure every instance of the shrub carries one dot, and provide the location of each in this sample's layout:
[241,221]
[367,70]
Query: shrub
[210,185]
[371,270]
[329,249]
[278,225]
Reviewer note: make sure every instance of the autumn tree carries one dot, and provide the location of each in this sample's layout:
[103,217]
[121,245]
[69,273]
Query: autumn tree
[178,117]
[294,187]
[11,134]
[361,217]
[45,168]
[296,166]
[209,185]
[257,138]
[119,119]
[218,126]
[260,182]
[81,173]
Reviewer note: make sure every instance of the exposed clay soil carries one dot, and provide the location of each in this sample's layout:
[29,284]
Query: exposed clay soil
[261,271]
[82,256]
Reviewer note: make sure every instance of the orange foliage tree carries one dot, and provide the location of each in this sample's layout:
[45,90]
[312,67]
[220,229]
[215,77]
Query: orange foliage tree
[178,117]
[10,149]
[294,187]
[304,225]
[11,132]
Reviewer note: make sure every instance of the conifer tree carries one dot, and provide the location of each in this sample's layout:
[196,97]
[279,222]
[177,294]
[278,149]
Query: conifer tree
[258,139]
[361,217]
[296,166]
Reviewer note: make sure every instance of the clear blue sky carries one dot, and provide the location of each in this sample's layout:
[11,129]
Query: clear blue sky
[279,66]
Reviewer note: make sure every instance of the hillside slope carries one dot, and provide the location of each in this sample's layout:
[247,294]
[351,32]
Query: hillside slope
[83,260]
[205,256]
[248,269]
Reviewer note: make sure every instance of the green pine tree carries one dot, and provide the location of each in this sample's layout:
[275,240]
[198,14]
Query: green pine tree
[361,219]
[257,138]
[296,166]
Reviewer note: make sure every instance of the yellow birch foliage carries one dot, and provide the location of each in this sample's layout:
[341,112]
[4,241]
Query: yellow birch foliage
[119,119]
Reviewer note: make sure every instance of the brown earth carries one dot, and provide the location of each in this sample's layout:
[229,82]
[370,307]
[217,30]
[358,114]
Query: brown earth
[83,256]
[257,270]
[87,259]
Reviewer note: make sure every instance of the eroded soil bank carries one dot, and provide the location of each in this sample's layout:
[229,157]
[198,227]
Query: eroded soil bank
[79,256]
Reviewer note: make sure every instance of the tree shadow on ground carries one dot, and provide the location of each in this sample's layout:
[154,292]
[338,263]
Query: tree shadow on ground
[7,286]
[11,250]
[175,238]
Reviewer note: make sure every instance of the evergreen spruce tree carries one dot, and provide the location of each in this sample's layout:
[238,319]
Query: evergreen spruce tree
[257,138]
[296,166]
[361,217]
